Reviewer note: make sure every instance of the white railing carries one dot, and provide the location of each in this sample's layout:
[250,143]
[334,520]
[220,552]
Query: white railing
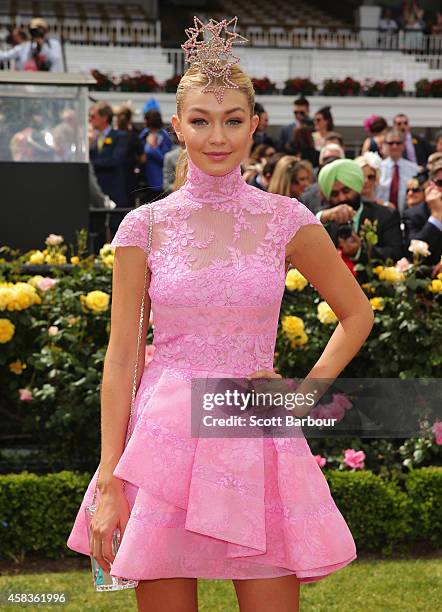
[97,32]
[319,64]
[317,37]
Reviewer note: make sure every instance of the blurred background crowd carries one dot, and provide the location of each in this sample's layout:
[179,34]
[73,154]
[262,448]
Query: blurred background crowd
[132,149]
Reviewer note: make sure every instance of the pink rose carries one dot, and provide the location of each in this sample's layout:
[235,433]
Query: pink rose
[403,264]
[437,430]
[320,411]
[315,412]
[25,395]
[149,353]
[53,330]
[46,283]
[340,399]
[321,461]
[54,239]
[334,411]
[354,459]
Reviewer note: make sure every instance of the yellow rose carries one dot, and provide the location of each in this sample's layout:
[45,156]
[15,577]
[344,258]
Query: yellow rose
[108,261]
[108,140]
[378,270]
[6,297]
[377,303]
[439,276]
[75,260]
[326,314]
[106,249]
[7,330]
[34,280]
[392,275]
[368,288]
[435,286]
[292,326]
[23,296]
[97,301]
[55,258]
[37,258]
[294,281]
[17,367]
[299,340]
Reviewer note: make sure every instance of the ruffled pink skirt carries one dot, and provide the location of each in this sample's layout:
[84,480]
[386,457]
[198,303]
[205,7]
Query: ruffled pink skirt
[219,508]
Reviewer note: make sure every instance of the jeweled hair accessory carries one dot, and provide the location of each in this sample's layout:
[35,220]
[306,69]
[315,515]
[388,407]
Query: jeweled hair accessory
[213,53]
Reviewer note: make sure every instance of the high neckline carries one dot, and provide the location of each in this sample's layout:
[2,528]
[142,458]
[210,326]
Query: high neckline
[204,187]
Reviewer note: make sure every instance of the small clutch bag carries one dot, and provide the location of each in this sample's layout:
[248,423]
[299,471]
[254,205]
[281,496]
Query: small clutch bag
[102,580]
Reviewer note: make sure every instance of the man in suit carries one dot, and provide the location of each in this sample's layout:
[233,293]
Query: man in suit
[417,149]
[424,221]
[341,183]
[301,109]
[396,171]
[108,152]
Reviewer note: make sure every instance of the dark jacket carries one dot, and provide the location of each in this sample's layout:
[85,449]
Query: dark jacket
[389,232]
[417,227]
[312,198]
[286,134]
[109,166]
[422,149]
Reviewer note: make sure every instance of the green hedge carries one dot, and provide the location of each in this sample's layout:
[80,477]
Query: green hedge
[37,512]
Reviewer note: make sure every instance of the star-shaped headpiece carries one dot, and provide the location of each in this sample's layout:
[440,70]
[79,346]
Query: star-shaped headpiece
[209,46]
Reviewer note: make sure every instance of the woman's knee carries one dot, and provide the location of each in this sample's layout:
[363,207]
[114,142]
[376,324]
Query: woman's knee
[167,595]
[269,594]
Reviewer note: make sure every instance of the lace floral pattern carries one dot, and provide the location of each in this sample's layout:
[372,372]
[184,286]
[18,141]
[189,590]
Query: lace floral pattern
[217,507]
[217,242]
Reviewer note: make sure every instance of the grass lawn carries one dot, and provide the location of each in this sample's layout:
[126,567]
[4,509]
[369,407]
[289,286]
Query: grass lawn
[367,585]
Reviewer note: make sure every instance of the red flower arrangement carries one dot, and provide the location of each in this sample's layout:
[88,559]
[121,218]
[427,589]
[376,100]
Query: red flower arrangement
[300,86]
[171,84]
[347,87]
[429,89]
[104,81]
[263,86]
[138,82]
[388,89]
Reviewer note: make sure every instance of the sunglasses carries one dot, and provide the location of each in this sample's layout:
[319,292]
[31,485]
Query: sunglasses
[401,122]
[438,183]
[371,177]
[396,143]
[298,112]
[414,190]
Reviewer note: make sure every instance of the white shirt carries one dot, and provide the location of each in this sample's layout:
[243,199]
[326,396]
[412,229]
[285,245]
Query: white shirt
[22,54]
[407,170]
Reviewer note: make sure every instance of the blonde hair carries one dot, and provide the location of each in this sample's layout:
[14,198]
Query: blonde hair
[366,160]
[286,170]
[193,78]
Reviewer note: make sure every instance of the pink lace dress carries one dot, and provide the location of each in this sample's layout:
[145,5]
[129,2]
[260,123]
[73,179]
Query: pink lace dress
[217,507]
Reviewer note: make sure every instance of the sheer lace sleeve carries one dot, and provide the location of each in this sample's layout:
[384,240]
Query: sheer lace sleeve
[295,215]
[133,229]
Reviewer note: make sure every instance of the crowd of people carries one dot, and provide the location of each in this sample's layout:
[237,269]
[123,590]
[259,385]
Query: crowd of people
[33,49]
[395,182]
[410,16]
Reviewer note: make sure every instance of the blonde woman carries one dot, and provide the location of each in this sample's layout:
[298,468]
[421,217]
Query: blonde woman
[371,166]
[253,510]
[291,177]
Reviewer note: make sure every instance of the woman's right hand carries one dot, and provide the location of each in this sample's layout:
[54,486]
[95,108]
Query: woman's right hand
[112,511]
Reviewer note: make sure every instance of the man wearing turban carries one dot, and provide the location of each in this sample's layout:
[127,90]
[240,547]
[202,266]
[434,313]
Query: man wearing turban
[340,183]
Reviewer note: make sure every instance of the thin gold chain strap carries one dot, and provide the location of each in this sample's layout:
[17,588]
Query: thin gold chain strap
[140,333]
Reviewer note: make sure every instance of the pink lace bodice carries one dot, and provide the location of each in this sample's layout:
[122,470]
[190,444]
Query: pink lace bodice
[217,270]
